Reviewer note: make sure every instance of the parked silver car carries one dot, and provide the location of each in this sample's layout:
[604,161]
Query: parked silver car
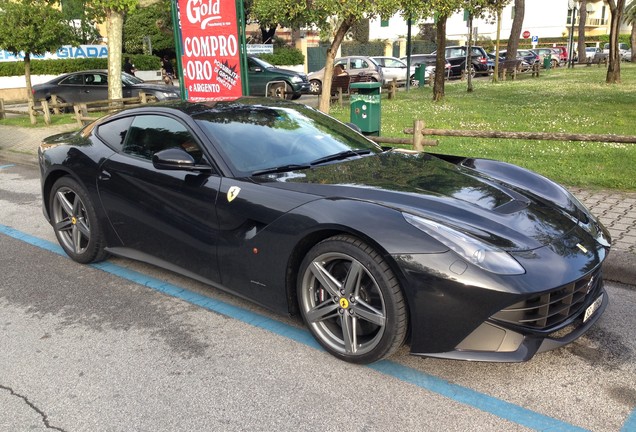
[393,67]
[352,65]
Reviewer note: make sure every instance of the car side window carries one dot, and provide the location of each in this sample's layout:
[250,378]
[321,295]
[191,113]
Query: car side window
[114,133]
[149,134]
[77,79]
[359,64]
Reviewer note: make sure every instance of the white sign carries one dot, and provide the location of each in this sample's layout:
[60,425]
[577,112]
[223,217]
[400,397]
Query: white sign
[65,52]
[260,48]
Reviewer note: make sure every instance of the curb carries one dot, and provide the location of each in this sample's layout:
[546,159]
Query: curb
[620,267]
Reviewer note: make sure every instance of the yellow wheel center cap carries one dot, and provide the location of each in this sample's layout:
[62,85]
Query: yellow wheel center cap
[344,303]
[73,220]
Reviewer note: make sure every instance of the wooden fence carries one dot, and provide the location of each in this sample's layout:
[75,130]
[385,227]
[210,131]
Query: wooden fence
[46,108]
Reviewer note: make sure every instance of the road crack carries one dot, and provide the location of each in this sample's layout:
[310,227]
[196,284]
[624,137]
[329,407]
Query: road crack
[45,418]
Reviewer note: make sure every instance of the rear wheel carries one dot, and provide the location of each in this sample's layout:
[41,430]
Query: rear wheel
[75,222]
[59,101]
[351,300]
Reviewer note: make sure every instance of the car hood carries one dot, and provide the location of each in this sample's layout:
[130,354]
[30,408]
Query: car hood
[156,87]
[284,72]
[506,216]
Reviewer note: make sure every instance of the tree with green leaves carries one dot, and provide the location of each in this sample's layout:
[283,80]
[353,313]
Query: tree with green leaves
[337,16]
[32,27]
[614,60]
[630,18]
[153,22]
[113,11]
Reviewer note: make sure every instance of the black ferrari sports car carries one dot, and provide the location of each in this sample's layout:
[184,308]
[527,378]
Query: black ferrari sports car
[278,203]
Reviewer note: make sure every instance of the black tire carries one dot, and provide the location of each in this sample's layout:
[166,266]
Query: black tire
[344,283]
[60,101]
[315,87]
[75,222]
[281,91]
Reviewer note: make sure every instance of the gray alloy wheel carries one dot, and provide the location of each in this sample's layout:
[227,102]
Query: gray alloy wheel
[75,222]
[315,87]
[351,301]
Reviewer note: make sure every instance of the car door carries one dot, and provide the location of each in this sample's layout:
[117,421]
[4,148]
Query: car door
[70,88]
[166,217]
[258,77]
[95,87]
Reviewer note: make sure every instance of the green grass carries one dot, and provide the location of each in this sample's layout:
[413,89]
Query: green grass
[561,100]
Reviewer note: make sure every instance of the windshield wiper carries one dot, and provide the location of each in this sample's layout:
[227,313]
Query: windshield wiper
[339,156]
[282,168]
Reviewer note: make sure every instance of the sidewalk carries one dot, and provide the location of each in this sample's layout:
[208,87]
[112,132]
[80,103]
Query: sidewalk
[616,210]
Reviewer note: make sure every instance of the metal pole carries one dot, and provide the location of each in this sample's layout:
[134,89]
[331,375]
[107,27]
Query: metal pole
[408,55]
[176,28]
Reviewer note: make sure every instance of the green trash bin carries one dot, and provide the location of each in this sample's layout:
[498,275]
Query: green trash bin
[547,62]
[365,106]
[420,74]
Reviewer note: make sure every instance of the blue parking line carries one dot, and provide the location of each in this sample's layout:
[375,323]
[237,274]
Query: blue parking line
[500,408]
[6,166]
[630,423]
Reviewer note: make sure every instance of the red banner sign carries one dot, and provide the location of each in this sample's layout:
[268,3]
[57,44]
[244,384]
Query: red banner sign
[210,47]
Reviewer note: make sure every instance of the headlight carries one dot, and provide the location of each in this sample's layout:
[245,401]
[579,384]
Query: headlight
[471,249]
[296,79]
[165,95]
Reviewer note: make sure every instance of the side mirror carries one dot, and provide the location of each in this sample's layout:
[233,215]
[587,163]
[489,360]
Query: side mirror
[175,158]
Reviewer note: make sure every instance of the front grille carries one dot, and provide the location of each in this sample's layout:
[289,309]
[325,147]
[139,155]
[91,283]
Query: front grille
[552,308]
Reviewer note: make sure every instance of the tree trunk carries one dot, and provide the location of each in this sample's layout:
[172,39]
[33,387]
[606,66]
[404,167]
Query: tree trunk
[515,31]
[114,31]
[581,38]
[267,34]
[495,72]
[27,76]
[325,96]
[440,61]
[633,41]
[469,55]
[614,60]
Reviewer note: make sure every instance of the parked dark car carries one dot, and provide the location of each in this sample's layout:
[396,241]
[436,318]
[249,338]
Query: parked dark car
[527,55]
[268,80]
[92,85]
[429,62]
[281,204]
[456,56]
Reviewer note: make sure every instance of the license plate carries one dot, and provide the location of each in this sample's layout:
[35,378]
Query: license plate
[592,308]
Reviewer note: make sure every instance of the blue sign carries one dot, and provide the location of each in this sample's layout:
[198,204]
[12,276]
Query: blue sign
[65,52]
[535,39]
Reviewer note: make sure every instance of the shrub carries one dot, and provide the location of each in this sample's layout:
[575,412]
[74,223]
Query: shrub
[284,56]
[57,67]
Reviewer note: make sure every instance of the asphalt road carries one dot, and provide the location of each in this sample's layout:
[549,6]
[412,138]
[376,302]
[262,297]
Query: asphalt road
[128,347]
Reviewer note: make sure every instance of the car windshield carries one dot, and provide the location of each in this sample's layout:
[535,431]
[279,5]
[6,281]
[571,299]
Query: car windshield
[262,63]
[393,63]
[256,138]
[129,80]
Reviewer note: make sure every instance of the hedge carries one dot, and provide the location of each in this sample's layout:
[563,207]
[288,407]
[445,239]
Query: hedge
[284,56]
[57,67]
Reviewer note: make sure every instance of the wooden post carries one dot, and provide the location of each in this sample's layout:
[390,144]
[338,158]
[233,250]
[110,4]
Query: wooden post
[78,115]
[54,102]
[143,98]
[431,80]
[45,110]
[32,113]
[514,74]
[2,114]
[418,125]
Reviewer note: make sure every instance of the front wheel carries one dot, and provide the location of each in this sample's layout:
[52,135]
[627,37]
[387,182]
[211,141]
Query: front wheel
[351,300]
[75,222]
[280,91]
[315,87]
